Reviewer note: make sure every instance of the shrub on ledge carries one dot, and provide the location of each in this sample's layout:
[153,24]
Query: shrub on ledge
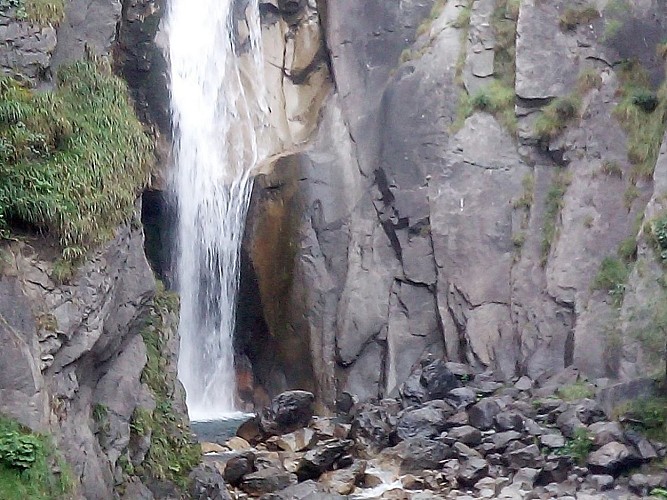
[72,161]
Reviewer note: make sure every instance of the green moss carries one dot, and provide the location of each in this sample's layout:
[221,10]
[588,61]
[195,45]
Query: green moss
[173,452]
[578,390]
[612,278]
[643,115]
[463,19]
[553,206]
[71,161]
[29,465]
[649,416]
[37,11]
[556,115]
[574,16]
[657,233]
[588,79]
[494,98]
[503,22]
[527,198]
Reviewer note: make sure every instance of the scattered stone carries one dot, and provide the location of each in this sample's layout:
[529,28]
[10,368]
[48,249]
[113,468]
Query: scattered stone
[525,478]
[417,454]
[610,459]
[472,470]
[643,484]
[267,481]
[483,413]
[601,482]
[605,432]
[344,481]
[509,421]
[465,434]
[438,380]
[426,422]
[462,397]
[645,449]
[524,384]
[321,459]
[206,483]
[502,439]
[298,440]
[528,456]
[554,440]
[239,466]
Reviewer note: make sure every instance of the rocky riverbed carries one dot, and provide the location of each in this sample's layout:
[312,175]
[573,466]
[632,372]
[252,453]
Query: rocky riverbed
[450,434]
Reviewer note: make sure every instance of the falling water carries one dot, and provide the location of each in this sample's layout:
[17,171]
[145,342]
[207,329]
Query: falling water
[218,106]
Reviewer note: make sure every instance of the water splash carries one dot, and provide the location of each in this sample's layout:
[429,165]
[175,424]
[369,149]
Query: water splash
[218,99]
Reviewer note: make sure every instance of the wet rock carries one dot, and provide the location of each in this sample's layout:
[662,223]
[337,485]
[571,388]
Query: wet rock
[462,397]
[267,481]
[438,380]
[373,426]
[239,466]
[321,459]
[206,483]
[426,422]
[483,413]
[417,454]
[611,459]
[288,412]
[344,481]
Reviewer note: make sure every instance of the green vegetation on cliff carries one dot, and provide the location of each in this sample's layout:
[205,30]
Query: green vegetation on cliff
[71,161]
[36,11]
[173,451]
[29,466]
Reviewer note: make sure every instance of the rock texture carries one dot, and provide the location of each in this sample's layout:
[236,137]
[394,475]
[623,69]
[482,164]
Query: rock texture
[411,233]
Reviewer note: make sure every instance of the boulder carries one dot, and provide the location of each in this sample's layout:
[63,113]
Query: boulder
[267,481]
[472,470]
[438,380]
[321,459]
[296,441]
[465,434]
[611,459]
[462,397]
[605,432]
[552,440]
[239,466]
[344,481]
[415,455]
[206,483]
[509,421]
[426,422]
[373,425]
[482,414]
[288,412]
[528,456]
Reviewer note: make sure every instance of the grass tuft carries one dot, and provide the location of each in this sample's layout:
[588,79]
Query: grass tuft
[556,115]
[553,206]
[574,16]
[72,161]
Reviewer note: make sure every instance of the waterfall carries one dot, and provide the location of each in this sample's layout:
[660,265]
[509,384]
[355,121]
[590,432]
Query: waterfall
[218,100]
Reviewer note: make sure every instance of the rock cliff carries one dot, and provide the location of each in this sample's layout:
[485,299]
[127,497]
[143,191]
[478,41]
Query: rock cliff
[484,185]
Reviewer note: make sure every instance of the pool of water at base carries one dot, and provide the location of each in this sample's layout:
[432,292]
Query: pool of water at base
[219,430]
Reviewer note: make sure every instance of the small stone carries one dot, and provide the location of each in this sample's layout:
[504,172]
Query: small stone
[483,413]
[466,434]
[472,470]
[509,421]
[552,440]
[602,482]
[524,384]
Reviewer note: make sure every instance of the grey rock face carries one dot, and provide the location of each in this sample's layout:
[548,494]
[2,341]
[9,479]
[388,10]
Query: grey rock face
[25,48]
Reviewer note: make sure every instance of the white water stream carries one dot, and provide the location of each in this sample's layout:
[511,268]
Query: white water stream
[218,98]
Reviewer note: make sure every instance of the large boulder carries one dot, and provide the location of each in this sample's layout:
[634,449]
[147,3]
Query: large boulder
[611,459]
[267,481]
[417,454]
[288,412]
[373,425]
[321,459]
[206,483]
[426,422]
